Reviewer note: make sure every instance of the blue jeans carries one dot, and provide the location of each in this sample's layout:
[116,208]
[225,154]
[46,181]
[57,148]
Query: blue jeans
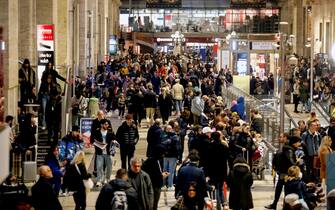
[179,105]
[101,161]
[170,166]
[45,100]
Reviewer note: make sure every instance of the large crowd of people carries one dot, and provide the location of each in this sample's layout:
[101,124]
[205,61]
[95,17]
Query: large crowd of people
[179,98]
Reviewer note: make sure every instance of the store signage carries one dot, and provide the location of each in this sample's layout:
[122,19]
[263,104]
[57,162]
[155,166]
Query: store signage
[164,40]
[262,46]
[45,47]
[163,3]
[253,3]
[2,75]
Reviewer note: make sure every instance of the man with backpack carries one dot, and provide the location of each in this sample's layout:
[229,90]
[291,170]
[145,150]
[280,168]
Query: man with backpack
[282,161]
[117,194]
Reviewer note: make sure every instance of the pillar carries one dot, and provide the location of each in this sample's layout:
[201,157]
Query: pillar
[27,30]
[82,44]
[9,19]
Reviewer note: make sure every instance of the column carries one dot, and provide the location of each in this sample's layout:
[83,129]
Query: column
[9,11]
[9,18]
[27,30]
[60,18]
[82,38]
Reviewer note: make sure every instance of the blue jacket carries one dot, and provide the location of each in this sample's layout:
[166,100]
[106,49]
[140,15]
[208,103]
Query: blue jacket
[53,163]
[68,147]
[312,142]
[241,107]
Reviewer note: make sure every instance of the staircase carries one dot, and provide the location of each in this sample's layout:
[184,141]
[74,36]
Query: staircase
[43,147]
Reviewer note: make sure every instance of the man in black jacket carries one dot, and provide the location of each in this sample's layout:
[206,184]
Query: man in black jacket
[153,137]
[127,136]
[120,183]
[287,159]
[43,194]
[153,167]
[104,139]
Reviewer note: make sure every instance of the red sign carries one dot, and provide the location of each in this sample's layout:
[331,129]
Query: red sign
[45,32]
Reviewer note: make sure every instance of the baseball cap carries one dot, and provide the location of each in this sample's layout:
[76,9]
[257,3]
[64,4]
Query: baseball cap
[207,130]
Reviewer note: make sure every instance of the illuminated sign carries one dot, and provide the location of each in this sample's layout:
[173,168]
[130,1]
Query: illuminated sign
[163,3]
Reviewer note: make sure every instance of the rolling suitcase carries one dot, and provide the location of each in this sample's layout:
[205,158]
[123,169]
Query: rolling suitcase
[29,169]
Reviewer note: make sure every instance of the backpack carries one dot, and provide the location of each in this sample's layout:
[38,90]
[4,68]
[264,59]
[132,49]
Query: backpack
[277,159]
[119,201]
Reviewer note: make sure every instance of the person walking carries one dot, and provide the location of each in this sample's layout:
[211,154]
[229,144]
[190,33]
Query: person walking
[178,96]
[127,136]
[153,166]
[74,180]
[42,193]
[150,104]
[154,137]
[165,103]
[109,193]
[141,182]
[104,140]
[240,182]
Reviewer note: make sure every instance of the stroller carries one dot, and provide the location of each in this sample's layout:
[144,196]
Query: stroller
[259,160]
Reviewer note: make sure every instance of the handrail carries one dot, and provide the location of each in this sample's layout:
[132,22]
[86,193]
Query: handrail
[322,111]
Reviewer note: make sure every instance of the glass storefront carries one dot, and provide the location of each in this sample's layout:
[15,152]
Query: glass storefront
[251,20]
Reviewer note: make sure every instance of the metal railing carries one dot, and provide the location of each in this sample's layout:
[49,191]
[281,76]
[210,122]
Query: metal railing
[268,109]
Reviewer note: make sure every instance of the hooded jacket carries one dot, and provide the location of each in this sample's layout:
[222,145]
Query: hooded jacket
[107,193]
[240,182]
[241,107]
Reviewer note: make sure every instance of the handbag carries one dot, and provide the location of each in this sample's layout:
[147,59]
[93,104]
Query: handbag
[179,205]
[317,162]
[88,183]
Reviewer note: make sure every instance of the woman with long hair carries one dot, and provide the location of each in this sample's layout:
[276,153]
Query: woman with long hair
[324,150]
[165,103]
[74,180]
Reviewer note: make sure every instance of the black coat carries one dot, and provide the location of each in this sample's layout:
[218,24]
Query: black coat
[73,180]
[288,158]
[127,135]
[149,99]
[165,104]
[153,138]
[187,174]
[107,193]
[240,182]
[153,166]
[218,154]
[43,196]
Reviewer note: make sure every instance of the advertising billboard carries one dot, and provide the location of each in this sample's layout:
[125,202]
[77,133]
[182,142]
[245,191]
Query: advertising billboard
[163,3]
[112,45]
[45,47]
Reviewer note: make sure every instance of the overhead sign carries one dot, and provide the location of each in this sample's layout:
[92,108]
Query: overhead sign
[45,47]
[262,45]
[163,3]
